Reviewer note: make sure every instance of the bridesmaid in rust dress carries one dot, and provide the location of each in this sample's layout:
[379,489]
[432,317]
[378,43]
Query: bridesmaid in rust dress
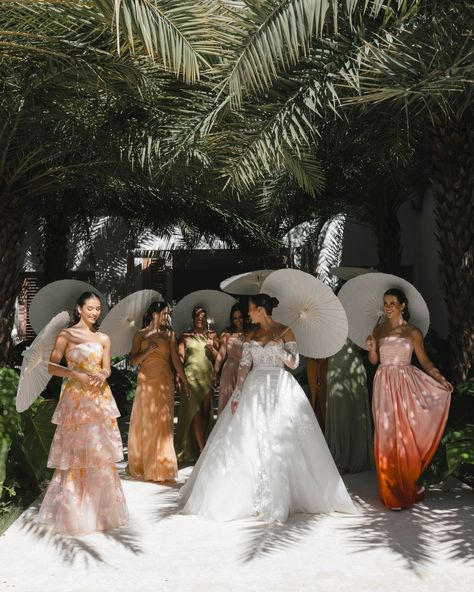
[151,454]
[229,355]
[410,407]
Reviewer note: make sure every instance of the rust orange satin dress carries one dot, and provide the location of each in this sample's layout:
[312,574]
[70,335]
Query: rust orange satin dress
[410,411]
[151,454]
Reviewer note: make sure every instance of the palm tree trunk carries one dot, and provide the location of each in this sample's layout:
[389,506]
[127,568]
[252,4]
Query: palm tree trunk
[11,236]
[453,184]
[388,235]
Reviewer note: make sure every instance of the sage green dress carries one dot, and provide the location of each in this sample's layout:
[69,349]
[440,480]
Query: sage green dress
[198,368]
[348,429]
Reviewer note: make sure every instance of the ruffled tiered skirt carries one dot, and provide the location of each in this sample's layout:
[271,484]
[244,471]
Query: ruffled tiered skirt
[85,493]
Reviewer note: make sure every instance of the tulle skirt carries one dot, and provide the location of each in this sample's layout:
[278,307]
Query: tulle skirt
[85,493]
[270,459]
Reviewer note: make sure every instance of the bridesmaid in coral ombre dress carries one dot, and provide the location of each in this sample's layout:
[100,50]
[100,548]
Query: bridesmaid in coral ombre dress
[151,454]
[410,407]
[85,493]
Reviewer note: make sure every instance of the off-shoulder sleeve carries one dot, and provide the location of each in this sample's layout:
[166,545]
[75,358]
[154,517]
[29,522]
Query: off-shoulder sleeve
[290,354]
[245,366]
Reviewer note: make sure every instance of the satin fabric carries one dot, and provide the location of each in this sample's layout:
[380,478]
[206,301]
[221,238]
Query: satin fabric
[151,454]
[348,417]
[198,367]
[410,411]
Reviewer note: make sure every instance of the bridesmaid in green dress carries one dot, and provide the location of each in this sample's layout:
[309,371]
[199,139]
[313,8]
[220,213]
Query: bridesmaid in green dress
[348,419]
[198,350]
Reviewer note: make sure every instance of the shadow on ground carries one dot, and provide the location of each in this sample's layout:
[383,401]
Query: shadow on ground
[72,549]
[438,526]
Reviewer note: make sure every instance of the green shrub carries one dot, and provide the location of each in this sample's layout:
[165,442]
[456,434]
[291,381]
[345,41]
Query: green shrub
[455,455]
[25,439]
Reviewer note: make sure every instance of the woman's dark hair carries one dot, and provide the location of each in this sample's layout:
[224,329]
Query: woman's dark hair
[402,299]
[238,306]
[265,301]
[75,316]
[154,307]
[196,309]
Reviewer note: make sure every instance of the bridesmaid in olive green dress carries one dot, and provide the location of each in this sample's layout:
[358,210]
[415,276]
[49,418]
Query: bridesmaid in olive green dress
[348,418]
[198,350]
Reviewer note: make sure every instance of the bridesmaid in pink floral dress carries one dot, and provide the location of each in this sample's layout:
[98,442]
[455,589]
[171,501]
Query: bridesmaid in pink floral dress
[230,352]
[85,493]
[410,407]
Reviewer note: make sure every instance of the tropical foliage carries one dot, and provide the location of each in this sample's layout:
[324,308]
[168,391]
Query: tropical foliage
[25,440]
[240,119]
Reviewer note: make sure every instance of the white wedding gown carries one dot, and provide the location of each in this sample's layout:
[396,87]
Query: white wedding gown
[270,459]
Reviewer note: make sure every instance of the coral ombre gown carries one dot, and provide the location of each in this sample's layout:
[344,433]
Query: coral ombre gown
[151,454]
[85,493]
[410,411]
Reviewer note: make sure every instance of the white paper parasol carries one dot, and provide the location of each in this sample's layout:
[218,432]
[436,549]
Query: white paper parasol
[311,309]
[34,374]
[247,283]
[58,296]
[216,304]
[362,298]
[347,273]
[125,319]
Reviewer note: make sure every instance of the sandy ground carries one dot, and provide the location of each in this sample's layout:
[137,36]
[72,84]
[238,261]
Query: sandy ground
[430,547]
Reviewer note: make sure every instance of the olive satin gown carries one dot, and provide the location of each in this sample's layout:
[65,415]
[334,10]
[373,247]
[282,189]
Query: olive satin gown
[348,417]
[198,368]
[151,454]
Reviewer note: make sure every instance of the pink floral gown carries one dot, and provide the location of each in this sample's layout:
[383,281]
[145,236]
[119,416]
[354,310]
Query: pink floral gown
[85,493]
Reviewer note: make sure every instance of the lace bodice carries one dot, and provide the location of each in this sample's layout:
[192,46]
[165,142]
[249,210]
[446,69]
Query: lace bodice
[274,354]
[271,355]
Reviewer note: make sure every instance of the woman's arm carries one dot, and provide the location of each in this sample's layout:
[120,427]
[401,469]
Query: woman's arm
[101,376]
[245,366]
[57,355]
[425,362]
[136,355]
[372,346]
[290,354]
[222,354]
[178,366]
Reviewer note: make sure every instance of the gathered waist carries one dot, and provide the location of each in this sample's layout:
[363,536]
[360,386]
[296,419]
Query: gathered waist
[397,364]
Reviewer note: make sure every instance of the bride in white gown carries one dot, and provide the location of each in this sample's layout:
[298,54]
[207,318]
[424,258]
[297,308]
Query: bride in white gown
[266,456]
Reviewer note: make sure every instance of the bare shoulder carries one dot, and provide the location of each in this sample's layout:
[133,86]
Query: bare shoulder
[287,333]
[413,332]
[250,335]
[65,335]
[103,338]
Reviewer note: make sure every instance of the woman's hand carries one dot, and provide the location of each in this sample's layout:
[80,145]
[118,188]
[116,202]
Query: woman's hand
[371,343]
[99,378]
[81,377]
[153,345]
[233,406]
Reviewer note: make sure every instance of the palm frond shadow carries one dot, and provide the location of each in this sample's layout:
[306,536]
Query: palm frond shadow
[264,538]
[419,535]
[72,549]
[167,504]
